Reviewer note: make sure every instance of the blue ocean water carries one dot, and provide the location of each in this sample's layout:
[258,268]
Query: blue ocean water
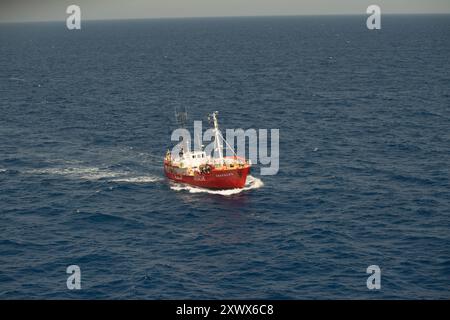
[364,119]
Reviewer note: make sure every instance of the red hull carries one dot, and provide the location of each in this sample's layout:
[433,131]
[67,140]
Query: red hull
[216,179]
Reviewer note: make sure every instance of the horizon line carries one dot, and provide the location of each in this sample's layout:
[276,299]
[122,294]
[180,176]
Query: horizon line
[232,16]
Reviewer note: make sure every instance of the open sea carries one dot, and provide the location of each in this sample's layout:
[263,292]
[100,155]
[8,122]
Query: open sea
[364,120]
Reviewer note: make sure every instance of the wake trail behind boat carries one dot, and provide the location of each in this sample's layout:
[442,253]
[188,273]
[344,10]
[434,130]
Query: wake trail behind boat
[97,174]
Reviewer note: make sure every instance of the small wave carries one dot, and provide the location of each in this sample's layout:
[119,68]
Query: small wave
[17,79]
[8,171]
[251,183]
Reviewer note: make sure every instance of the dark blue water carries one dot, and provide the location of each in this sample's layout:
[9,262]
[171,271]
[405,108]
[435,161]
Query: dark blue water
[364,119]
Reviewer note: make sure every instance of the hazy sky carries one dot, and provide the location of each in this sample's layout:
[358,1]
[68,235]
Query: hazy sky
[44,10]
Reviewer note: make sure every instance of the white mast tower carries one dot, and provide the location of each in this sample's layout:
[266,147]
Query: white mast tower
[217,137]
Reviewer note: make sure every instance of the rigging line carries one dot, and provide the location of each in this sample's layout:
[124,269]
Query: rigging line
[226,142]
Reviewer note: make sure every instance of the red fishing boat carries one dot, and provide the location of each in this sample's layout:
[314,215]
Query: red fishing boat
[199,169]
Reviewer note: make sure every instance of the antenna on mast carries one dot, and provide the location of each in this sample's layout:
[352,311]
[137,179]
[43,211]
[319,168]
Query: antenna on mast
[181,118]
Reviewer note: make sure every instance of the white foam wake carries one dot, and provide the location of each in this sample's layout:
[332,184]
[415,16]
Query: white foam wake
[141,179]
[85,173]
[93,174]
[250,183]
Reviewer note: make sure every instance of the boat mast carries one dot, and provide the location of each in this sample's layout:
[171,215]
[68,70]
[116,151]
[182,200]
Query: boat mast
[181,118]
[217,138]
